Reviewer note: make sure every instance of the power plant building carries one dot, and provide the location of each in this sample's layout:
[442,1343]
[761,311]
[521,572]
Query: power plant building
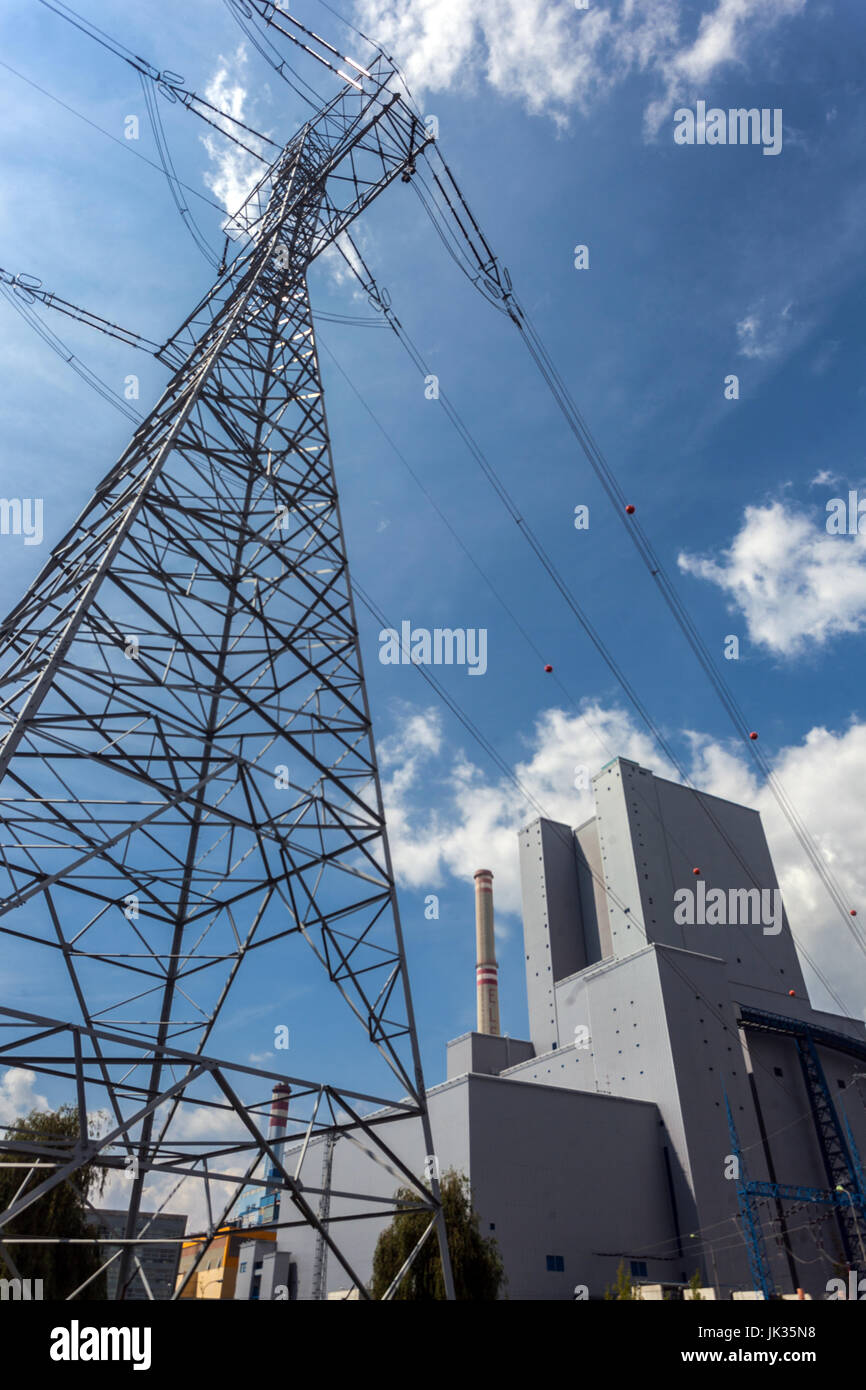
[679,1106]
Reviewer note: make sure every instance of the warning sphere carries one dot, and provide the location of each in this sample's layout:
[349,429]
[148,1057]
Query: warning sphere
[753,734]
[696,871]
[548,669]
[792,994]
[630,509]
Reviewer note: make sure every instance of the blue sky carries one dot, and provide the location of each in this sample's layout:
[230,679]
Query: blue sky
[703,261]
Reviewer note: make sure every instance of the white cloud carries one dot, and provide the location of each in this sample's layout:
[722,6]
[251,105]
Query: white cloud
[552,57]
[477,815]
[765,334]
[18,1095]
[474,820]
[824,478]
[235,171]
[794,584]
[341,260]
[724,36]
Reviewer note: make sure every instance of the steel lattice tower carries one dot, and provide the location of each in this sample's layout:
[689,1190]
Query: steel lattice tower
[188,770]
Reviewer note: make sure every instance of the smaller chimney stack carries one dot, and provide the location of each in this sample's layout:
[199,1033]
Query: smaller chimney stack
[486,969]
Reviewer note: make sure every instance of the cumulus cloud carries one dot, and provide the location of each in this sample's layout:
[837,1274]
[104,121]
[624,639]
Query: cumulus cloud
[18,1095]
[447,816]
[794,584]
[234,172]
[555,58]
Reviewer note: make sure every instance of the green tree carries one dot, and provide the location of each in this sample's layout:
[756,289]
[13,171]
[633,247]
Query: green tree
[61,1212]
[479,1273]
[623,1288]
[696,1285]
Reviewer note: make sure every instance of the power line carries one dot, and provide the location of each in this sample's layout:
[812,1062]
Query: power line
[480,738]
[487,265]
[124,144]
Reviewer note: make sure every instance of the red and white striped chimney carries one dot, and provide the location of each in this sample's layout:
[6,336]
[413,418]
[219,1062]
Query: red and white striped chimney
[486,969]
[279,1111]
[279,1118]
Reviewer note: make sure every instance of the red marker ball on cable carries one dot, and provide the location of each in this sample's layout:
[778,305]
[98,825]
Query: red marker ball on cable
[630,509]
[696,871]
[548,669]
[753,734]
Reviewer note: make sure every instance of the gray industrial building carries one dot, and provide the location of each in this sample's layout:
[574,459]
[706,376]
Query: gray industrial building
[158,1256]
[679,1104]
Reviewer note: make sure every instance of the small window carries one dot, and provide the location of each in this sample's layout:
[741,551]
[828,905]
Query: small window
[840,1083]
[243,1267]
[638,1269]
[777,1071]
[493,1225]
[555,1264]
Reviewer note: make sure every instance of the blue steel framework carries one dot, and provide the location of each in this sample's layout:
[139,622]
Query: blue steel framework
[839,1153]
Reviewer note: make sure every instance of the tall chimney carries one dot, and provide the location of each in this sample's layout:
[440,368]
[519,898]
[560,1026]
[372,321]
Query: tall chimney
[279,1119]
[486,969]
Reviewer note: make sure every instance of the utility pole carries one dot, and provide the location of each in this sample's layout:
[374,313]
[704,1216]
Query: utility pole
[320,1266]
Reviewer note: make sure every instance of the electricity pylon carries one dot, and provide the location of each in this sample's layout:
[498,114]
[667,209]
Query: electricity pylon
[187,772]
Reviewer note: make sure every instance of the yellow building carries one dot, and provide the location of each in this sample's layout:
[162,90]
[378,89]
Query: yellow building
[215,1276]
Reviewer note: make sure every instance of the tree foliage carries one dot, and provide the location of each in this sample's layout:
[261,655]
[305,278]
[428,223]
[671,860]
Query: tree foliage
[623,1287]
[61,1212]
[479,1273]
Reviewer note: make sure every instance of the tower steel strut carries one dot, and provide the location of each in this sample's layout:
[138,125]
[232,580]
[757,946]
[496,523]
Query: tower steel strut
[187,769]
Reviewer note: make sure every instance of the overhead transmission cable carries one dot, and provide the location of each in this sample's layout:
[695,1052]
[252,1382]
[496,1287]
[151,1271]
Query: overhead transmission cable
[58,346]
[171,174]
[121,51]
[168,168]
[500,599]
[29,288]
[610,895]
[551,382]
[494,281]
[124,144]
[170,84]
[241,13]
[502,288]
[426,674]
[379,297]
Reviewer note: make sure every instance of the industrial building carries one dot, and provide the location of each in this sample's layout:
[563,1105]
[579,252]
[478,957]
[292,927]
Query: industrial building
[216,1272]
[679,1105]
[158,1255]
